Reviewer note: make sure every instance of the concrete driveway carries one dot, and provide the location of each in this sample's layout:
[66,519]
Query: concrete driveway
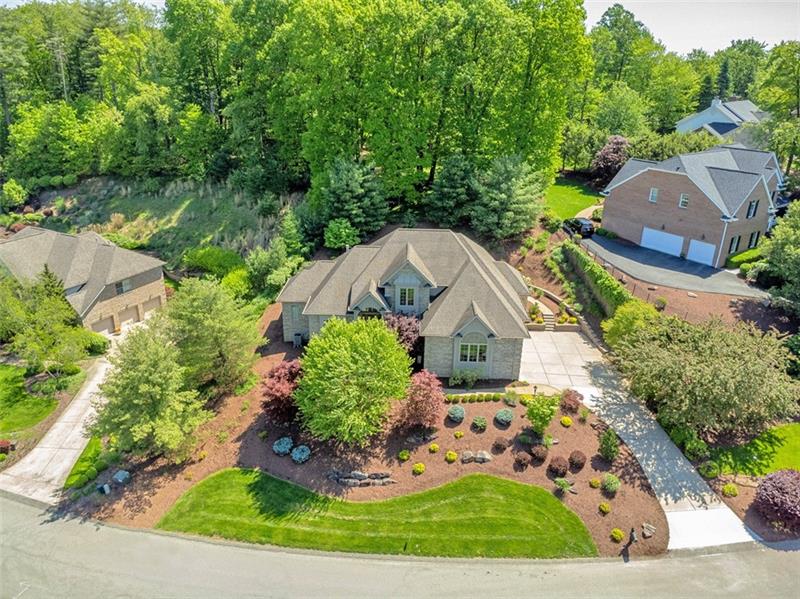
[662,269]
[557,359]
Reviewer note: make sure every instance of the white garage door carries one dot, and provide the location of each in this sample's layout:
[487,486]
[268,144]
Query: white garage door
[104,326]
[128,315]
[151,305]
[701,252]
[662,242]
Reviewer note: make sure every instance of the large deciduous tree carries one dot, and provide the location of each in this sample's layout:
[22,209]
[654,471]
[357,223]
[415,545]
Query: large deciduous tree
[352,372]
[782,253]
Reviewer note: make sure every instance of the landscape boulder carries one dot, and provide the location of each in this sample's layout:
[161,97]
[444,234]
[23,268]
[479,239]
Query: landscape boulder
[121,477]
[482,457]
[467,457]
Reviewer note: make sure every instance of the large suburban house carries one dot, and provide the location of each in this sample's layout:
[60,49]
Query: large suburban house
[472,307]
[108,286]
[722,119]
[702,206]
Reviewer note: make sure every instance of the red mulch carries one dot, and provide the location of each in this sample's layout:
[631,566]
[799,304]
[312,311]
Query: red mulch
[232,439]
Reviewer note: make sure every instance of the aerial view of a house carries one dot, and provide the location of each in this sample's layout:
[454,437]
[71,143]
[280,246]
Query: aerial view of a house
[702,206]
[108,286]
[473,307]
[722,119]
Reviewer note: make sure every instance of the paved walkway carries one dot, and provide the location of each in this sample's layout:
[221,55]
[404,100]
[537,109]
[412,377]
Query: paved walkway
[41,474]
[662,269]
[557,359]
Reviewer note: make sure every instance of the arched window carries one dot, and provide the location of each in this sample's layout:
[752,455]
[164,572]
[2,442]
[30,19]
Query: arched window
[472,349]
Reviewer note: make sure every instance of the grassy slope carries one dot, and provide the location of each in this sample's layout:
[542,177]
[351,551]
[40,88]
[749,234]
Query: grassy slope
[567,197]
[774,449]
[18,408]
[477,515]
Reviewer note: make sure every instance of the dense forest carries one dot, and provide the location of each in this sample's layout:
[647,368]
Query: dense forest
[456,110]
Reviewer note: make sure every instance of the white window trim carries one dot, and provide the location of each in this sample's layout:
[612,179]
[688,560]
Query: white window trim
[733,248]
[406,304]
[473,351]
[683,201]
[653,197]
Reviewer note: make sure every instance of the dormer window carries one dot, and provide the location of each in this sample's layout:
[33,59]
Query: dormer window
[406,297]
[752,208]
[123,286]
[653,195]
[683,202]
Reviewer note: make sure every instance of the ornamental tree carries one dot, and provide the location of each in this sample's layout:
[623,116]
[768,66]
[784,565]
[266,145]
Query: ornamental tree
[424,403]
[541,410]
[628,318]
[406,327]
[352,372]
[279,385]
[610,159]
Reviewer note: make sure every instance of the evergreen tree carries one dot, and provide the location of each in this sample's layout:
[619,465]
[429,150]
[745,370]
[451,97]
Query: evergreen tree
[723,80]
[706,93]
[354,193]
[453,192]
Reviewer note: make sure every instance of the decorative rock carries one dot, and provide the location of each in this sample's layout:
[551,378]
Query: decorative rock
[383,482]
[555,441]
[482,457]
[380,475]
[646,533]
[349,482]
[467,457]
[104,489]
[121,477]
[358,475]
[648,530]
[364,483]
[691,294]
[652,287]
[333,475]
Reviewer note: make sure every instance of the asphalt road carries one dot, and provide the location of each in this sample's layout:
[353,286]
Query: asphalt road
[68,558]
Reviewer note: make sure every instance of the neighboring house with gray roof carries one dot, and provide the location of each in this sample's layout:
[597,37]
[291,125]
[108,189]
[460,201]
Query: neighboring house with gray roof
[108,286]
[723,120]
[703,206]
[472,307]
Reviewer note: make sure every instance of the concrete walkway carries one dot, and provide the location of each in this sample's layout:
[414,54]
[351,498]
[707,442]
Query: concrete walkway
[669,271]
[41,474]
[697,517]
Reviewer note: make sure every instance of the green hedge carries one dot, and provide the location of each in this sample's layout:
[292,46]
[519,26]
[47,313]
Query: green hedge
[611,293]
[745,257]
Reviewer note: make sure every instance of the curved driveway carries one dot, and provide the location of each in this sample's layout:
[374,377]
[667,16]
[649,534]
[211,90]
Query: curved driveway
[67,558]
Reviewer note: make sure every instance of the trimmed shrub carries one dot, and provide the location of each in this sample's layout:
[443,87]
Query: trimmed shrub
[709,469]
[418,468]
[458,434]
[525,439]
[584,415]
[283,446]
[610,484]
[541,409]
[778,498]
[745,257]
[479,423]
[610,291]
[571,401]
[660,304]
[456,414]
[504,417]
[466,377]
[450,457]
[100,464]
[594,483]
[566,421]
[82,480]
[3,457]
[300,454]
[604,508]
[730,490]
[558,466]
[609,445]
[500,444]
[91,473]
[539,453]
[577,460]
[403,455]
[522,459]
[433,448]
[617,535]
[279,385]
[70,179]
[562,485]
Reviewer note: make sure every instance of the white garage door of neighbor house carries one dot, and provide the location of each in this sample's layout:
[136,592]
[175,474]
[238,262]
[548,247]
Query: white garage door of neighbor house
[128,315]
[151,305]
[104,326]
[701,252]
[661,241]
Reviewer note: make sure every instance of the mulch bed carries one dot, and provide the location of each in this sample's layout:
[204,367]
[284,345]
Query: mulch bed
[232,439]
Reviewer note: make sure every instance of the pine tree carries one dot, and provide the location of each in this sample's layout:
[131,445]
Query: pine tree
[723,80]
[706,93]
[453,191]
[354,192]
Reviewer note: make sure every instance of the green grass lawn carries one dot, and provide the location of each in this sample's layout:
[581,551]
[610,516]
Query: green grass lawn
[18,408]
[568,197]
[774,449]
[86,460]
[477,515]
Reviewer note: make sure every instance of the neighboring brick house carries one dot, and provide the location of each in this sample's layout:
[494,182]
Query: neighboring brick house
[723,120]
[108,286]
[472,307]
[703,206]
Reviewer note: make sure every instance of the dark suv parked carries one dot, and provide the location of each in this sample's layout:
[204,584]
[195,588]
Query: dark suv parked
[579,226]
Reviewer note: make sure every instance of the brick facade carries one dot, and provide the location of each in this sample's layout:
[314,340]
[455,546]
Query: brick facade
[147,293]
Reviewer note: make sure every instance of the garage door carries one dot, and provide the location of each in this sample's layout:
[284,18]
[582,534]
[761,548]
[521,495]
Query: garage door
[701,252]
[662,242]
[128,315]
[151,305]
[106,325]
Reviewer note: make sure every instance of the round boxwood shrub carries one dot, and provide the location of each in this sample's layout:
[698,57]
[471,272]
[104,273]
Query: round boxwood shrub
[594,483]
[730,490]
[539,453]
[778,498]
[708,469]
[418,468]
[617,535]
[458,434]
[300,454]
[558,466]
[479,423]
[81,481]
[404,455]
[91,473]
[604,508]
[525,439]
[522,459]
[3,457]
[504,417]
[566,421]
[433,448]
[450,457]
[456,413]
[283,446]
[610,484]
[577,460]
[100,464]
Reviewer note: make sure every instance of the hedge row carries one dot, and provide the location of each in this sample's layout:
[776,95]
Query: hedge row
[745,257]
[611,293]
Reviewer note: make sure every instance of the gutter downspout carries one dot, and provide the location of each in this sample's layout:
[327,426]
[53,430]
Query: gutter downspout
[722,241]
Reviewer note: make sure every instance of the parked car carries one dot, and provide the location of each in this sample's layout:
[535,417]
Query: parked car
[579,226]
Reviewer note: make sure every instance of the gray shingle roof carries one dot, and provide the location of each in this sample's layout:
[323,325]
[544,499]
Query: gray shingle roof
[85,263]
[447,259]
[630,168]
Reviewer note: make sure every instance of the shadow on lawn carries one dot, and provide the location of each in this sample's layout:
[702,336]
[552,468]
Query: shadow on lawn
[754,458]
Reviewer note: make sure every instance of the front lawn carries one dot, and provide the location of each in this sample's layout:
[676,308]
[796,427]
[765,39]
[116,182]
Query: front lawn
[18,408]
[475,516]
[774,449]
[567,197]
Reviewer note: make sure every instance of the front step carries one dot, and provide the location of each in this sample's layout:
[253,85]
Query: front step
[549,322]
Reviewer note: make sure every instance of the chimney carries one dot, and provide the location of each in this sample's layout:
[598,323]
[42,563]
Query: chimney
[716,102]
